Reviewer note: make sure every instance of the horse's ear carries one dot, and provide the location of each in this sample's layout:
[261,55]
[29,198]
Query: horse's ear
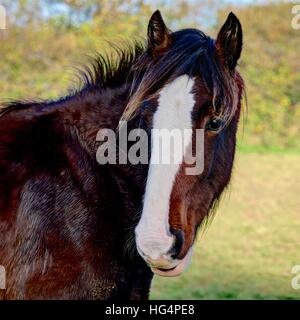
[229,42]
[159,36]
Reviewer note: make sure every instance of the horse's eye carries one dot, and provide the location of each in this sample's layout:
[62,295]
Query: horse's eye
[214,124]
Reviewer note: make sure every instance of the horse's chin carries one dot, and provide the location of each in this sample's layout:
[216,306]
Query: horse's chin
[174,272]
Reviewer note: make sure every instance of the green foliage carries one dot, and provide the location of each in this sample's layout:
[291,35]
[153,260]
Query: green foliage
[271,68]
[39,54]
[40,47]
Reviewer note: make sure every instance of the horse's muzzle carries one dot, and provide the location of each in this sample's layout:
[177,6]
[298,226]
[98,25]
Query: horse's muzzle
[163,267]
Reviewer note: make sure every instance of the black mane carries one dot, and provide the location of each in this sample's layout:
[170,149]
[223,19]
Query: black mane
[192,53]
[113,69]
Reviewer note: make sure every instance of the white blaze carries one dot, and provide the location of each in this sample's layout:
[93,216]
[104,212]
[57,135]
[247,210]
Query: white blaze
[175,105]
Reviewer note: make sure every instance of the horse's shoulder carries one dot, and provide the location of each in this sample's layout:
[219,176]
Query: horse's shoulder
[26,132]
[38,139]
[31,143]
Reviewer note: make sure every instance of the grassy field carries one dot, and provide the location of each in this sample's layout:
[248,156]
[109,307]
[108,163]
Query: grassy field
[254,240]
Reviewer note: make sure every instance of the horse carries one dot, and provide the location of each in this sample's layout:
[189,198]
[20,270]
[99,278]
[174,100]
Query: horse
[72,228]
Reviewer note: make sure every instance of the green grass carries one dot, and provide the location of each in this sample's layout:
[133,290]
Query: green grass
[254,240]
[267,149]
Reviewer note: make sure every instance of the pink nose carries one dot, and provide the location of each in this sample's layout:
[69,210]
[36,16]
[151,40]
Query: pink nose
[154,255]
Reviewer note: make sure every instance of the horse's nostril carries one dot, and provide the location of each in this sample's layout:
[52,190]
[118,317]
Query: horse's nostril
[179,239]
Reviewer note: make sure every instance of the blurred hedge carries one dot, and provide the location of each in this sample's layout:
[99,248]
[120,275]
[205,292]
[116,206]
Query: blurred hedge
[271,68]
[38,52]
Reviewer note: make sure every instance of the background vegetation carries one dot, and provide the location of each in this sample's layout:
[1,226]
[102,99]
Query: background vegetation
[252,244]
[250,248]
[44,39]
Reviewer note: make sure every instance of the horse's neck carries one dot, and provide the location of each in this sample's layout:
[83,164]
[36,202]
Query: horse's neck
[102,110]
[90,111]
